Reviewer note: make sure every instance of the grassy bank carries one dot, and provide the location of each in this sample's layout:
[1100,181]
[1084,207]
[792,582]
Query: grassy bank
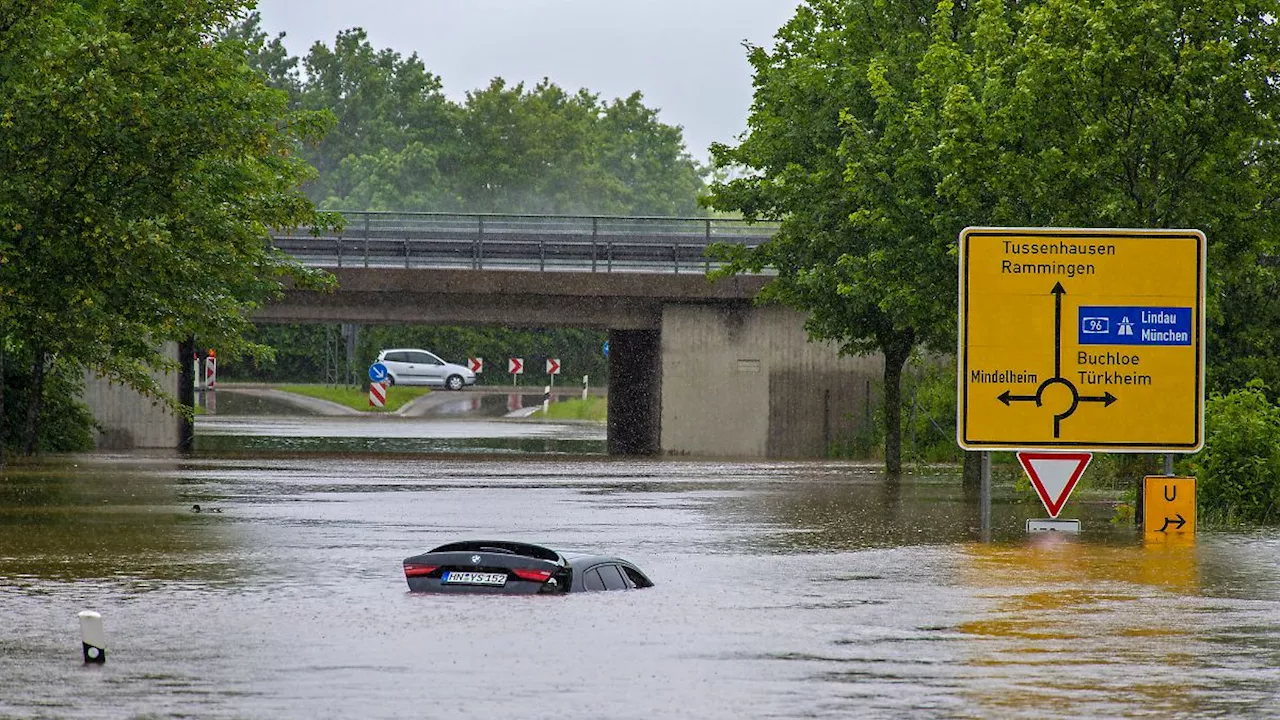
[357,398]
[593,408]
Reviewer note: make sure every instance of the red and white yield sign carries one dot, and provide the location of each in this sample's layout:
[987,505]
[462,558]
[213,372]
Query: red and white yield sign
[553,366]
[515,366]
[475,364]
[1054,475]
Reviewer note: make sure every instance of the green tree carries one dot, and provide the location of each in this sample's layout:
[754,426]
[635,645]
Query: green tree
[544,150]
[876,136]
[649,159]
[1153,114]
[837,154]
[394,125]
[268,56]
[144,164]
[534,151]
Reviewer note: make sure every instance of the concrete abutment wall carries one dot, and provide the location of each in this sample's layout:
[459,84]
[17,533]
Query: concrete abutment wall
[742,381]
[127,420]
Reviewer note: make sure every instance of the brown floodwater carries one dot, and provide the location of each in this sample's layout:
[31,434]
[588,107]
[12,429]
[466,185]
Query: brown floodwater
[783,589]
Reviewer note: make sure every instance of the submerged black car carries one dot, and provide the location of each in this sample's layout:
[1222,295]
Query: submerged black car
[514,568]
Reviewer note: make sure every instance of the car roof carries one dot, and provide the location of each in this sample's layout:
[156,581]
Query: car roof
[508,547]
[581,560]
[388,350]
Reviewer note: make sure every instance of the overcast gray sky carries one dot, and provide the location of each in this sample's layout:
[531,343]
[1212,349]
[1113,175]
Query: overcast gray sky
[686,56]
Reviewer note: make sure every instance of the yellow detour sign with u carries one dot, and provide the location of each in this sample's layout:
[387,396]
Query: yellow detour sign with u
[1169,505]
[1077,339]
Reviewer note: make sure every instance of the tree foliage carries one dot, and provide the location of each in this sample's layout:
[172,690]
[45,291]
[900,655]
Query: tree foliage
[1238,472]
[401,144]
[144,164]
[881,128]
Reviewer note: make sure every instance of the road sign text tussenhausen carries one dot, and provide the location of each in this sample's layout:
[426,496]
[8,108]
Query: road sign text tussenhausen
[1081,339]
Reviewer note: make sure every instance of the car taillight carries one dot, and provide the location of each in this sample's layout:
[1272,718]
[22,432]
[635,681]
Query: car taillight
[534,575]
[411,570]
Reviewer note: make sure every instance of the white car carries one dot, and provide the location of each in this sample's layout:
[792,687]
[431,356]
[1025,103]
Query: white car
[411,366]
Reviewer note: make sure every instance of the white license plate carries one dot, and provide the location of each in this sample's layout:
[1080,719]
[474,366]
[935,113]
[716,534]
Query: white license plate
[475,578]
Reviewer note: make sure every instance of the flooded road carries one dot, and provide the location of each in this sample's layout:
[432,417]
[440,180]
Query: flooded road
[783,590]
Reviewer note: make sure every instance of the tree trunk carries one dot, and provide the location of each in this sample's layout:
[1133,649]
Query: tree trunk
[187,393]
[4,425]
[895,357]
[35,405]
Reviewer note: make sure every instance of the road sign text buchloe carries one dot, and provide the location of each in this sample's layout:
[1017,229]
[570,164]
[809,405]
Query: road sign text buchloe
[1081,339]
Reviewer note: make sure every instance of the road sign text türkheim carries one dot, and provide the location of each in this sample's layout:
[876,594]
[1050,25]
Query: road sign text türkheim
[1077,339]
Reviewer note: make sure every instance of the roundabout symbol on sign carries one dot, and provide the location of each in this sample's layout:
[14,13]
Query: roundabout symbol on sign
[1076,398]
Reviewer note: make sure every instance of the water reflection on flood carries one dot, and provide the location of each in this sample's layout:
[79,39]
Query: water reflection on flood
[783,590]
[358,434]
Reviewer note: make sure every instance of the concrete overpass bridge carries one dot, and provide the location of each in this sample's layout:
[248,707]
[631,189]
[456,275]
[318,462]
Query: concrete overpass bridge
[695,368]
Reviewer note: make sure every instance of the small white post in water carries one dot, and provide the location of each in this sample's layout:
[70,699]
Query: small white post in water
[546,398]
[92,637]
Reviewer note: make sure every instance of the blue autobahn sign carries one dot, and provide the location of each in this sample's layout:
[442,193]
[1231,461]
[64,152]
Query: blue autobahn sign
[377,372]
[1111,325]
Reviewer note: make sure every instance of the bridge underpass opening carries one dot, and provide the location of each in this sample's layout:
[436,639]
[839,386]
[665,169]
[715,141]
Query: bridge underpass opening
[336,358]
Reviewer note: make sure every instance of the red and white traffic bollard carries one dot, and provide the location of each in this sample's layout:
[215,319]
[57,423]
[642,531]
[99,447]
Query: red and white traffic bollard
[377,395]
[211,370]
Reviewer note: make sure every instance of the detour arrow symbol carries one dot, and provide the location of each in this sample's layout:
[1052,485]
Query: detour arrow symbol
[1181,521]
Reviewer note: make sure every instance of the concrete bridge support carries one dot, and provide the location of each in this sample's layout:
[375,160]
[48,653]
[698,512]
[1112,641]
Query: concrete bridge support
[127,420]
[635,384]
[743,381]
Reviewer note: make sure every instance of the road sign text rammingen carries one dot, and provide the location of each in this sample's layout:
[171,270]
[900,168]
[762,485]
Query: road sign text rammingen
[1069,269]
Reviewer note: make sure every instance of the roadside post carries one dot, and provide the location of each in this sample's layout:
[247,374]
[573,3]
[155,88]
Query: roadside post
[378,385]
[1079,340]
[515,366]
[553,369]
[211,370]
[93,637]
[546,399]
[584,388]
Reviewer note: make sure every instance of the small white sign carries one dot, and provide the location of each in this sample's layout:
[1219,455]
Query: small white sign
[1037,525]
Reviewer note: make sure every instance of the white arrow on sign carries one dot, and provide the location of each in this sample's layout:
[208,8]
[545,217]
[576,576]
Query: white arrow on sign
[515,366]
[553,366]
[476,364]
[1054,475]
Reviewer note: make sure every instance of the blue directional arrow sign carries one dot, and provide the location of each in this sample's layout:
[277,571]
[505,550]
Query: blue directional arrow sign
[377,372]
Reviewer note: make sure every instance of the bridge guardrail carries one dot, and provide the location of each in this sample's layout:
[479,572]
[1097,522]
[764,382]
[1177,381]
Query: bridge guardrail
[542,242]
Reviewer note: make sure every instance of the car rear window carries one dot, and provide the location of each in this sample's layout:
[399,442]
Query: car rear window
[636,578]
[394,357]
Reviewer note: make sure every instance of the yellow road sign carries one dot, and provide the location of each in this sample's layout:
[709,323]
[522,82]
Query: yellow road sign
[1169,504]
[1079,339]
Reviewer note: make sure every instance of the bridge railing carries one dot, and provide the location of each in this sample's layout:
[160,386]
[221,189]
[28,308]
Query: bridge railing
[525,242]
